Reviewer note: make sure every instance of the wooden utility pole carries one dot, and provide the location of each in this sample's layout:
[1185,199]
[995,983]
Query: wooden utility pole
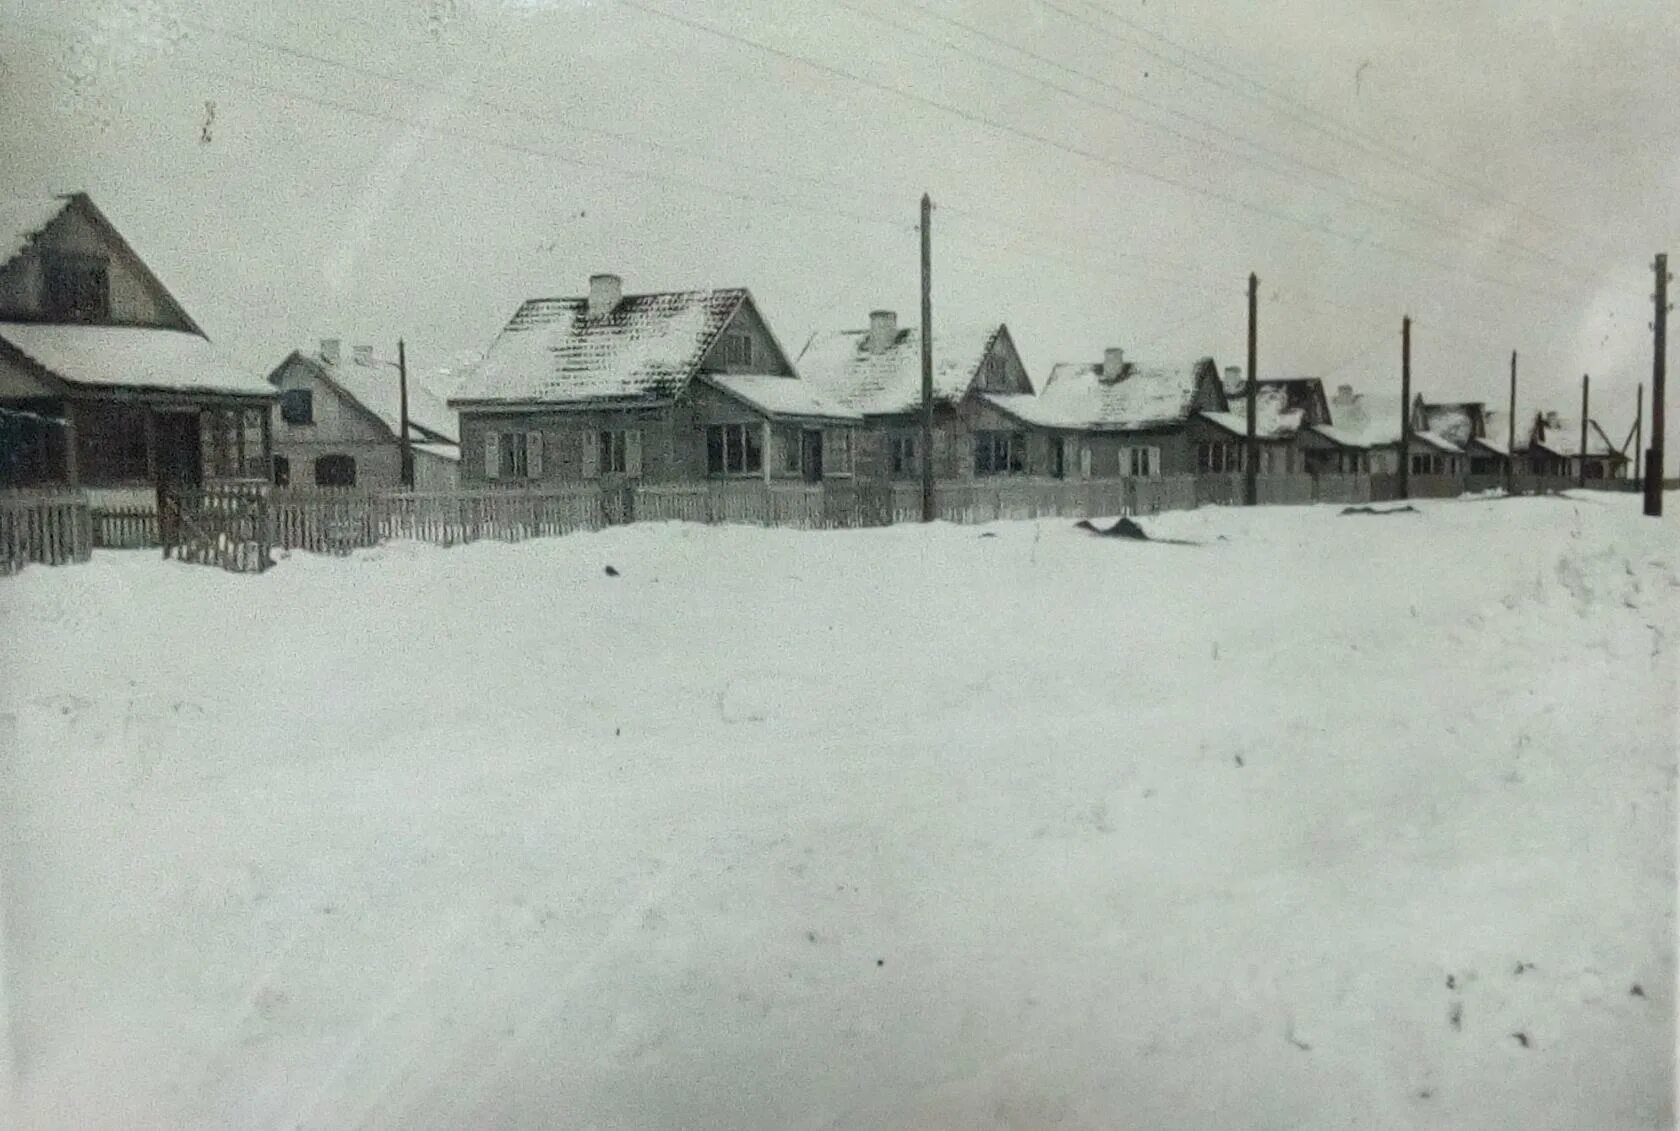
[1639,437]
[1251,446]
[1659,351]
[927,359]
[1581,475]
[1511,432]
[407,446]
[1406,407]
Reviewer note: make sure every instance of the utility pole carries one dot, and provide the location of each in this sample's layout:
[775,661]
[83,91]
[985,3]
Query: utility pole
[1659,351]
[1639,437]
[1251,448]
[927,359]
[1581,475]
[1406,407]
[407,446]
[1511,433]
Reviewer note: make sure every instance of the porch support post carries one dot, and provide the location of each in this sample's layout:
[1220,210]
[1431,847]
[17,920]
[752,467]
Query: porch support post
[72,468]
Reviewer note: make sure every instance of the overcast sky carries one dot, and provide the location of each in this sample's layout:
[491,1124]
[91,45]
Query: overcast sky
[1105,172]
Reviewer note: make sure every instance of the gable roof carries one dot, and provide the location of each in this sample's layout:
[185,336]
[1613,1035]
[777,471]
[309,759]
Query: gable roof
[1149,395]
[376,389]
[1375,421]
[1460,422]
[781,397]
[139,357]
[645,350]
[22,221]
[1562,437]
[1302,394]
[842,367]
[1278,411]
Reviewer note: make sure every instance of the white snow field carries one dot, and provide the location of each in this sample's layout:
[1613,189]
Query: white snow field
[1326,821]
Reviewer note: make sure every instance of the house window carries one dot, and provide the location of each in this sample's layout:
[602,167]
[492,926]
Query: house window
[736,348]
[1424,464]
[513,455]
[734,449]
[1058,457]
[282,471]
[1144,463]
[297,406]
[112,443]
[335,471]
[991,373]
[1000,453]
[901,454]
[77,287]
[1219,456]
[612,453]
[837,452]
[255,459]
[791,439]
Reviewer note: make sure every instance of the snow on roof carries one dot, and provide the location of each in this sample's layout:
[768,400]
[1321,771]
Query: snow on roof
[1338,435]
[1562,436]
[781,396]
[1437,441]
[451,452]
[116,356]
[841,365]
[22,220]
[1498,432]
[378,389]
[1455,422]
[646,348]
[1267,426]
[1075,396]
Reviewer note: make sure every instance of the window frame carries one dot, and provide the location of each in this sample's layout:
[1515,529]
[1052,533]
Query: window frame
[732,443]
[291,397]
[65,287]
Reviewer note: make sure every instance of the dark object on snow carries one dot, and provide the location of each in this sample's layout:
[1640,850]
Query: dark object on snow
[1122,528]
[1455,1016]
[611,572]
[1239,760]
[1407,509]
[1524,967]
[1452,982]
[1522,1039]
[988,534]
[1638,990]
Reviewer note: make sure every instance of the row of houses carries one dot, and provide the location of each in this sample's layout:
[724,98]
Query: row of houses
[108,384]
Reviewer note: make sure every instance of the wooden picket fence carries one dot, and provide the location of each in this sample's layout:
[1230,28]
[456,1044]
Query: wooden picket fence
[240,526]
[45,528]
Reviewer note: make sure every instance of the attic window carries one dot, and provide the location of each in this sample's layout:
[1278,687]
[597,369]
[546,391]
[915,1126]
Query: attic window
[736,349]
[77,288]
[297,406]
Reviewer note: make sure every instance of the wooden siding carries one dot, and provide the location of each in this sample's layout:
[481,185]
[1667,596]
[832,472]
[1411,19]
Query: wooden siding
[135,299]
[767,355]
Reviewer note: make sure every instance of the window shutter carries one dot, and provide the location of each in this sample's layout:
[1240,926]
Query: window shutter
[633,453]
[1084,462]
[533,455]
[492,455]
[1155,461]
[591,454]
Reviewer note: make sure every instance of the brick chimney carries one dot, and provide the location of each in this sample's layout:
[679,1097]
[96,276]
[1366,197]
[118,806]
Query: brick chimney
[883,330]
[330,349]
[1113,365]
[605,293]
[362,355]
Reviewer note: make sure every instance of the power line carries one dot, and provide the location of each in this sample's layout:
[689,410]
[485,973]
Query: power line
[525,113]
[1078,151]
[1397,205]
[1309,116]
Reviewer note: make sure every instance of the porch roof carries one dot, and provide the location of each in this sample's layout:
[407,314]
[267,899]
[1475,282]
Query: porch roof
[1268,426]
[777,396]
[140,357]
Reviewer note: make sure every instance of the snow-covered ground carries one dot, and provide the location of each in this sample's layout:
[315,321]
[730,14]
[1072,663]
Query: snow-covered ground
[1325,821]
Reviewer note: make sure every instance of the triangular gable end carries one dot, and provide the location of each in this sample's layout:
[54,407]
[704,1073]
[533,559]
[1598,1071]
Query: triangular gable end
[1210,390]
[322,374]
[78,226]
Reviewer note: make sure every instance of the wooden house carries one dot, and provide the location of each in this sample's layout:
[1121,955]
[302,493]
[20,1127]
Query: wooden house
[1466,425]
[1552,447]
[1120,418]
[339,423]
[105,381]
[668,387]
[876,373]
[1376,423]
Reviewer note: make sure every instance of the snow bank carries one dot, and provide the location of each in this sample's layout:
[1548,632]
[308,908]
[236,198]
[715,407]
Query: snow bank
[1298,827]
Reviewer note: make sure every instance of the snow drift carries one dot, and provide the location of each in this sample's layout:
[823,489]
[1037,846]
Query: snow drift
[1324,822]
